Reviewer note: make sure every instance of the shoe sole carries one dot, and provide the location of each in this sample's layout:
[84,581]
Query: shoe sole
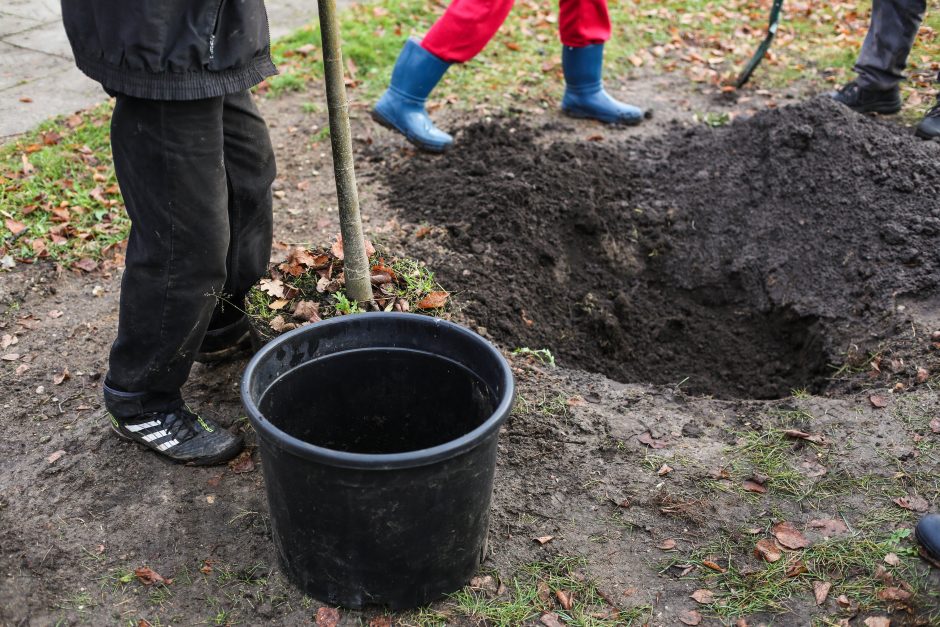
[581,116]
[224,456]
[923,135]
[381,121]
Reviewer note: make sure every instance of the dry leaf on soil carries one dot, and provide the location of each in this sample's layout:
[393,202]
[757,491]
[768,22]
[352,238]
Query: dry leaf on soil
[667,545]
[380,621]
[53,458]
[543,539]
[545,594]
[828,527]
[935,425]
[703,595]
[307,310]
[434,300]
[913,503]
[327,617]
[877,401]
[753,486]
[148,576]
[565,597]
[551,619]
[767,550]
[815,438]
[821,591]
[894,594]
[715,567]
[60,377]
[789,536]
[242,463]
[690,617]
[796,568]
[647,439]
[922,375]
[877,621]
[892,559]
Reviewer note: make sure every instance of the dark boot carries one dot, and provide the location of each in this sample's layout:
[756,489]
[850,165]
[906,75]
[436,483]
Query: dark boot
[585,96]
[224,343]
[401,107]
[929,127]
[863,100]
[927,533]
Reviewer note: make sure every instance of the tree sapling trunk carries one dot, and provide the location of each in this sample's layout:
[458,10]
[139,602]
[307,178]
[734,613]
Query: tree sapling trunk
[355,260]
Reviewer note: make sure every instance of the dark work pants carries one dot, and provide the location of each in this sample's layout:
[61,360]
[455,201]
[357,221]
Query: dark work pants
[894,25]
[196,179]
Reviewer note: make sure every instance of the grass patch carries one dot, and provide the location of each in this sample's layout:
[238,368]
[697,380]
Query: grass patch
[532,591]
[850,563]
[58,193]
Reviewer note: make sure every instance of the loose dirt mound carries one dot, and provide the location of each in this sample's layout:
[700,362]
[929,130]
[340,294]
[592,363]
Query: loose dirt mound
[739,261]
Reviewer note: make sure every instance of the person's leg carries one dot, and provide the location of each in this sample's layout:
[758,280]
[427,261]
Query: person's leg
[584,26]
[249,171]
[459,35]
[168,161]
[894,25]
[881,62]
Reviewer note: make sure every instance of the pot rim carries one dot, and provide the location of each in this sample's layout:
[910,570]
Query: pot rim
[268,432]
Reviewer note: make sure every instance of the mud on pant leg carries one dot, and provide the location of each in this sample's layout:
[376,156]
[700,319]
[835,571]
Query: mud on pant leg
[583,22]
[249,172]
[168,158]
[890,37]
[465,29]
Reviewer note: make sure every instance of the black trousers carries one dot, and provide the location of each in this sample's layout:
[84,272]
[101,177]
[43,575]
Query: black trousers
[196,179]
[894,25]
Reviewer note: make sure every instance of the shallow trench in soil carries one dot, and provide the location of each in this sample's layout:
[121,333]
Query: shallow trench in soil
[745,261]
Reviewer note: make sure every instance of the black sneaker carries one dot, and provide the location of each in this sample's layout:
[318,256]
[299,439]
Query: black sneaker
[868,100]
[927,533]
[929,127]
[180,435]
[226,342]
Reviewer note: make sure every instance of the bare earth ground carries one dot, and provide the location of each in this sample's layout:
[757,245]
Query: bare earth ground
[80,510]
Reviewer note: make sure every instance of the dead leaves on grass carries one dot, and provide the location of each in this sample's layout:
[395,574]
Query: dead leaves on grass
[149,577]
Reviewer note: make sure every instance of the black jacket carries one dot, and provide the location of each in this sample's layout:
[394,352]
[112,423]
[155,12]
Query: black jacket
[170,49]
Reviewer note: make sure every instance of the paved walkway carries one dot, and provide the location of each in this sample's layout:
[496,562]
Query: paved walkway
[37,77]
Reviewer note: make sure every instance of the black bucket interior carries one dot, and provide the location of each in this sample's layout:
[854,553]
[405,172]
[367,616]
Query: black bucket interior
[378,401]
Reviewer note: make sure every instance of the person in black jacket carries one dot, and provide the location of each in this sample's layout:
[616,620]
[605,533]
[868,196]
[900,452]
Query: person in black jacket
[195,165]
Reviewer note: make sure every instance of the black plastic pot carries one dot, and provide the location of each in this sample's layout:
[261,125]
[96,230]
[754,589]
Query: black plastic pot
[378,441]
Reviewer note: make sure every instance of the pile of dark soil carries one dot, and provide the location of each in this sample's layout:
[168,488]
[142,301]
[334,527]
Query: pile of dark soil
[739,261]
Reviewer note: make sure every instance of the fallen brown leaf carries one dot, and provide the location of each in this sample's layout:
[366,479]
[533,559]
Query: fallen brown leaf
[565,597]
[544,592]
[816,438]
[703,595]
[828,527]
[894,594]
[796,568]
[935,425]
[667,545]
[789,536]
[53,458]
[715,567]
[327,616]
[821,591]
[242,463]
[752,486]
[922,375]
[914,503]
[551,619]
[543,539]
[892,559]
[60,377]
[86,264]
[14,226]
[647,439]
[878,401]
[434,300]
[767,550]
[307,310]
[380,621]
[690,617]
[665,469]
[877,621]
[148,576]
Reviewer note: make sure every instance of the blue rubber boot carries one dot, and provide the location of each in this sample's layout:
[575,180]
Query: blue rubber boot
[584,90]
[401,107]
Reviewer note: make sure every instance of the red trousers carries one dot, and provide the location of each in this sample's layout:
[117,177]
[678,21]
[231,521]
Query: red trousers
[468,25]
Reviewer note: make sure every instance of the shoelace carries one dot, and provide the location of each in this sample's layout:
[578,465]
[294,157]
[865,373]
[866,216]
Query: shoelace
[179,425]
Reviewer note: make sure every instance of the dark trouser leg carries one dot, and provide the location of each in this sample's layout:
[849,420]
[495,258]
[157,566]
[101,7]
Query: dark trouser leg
[894,25]
[168,158]
[250,170]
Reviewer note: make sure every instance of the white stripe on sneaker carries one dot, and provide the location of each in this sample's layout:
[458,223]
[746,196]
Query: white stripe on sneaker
[143,425]
[167,445]
[150,437]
